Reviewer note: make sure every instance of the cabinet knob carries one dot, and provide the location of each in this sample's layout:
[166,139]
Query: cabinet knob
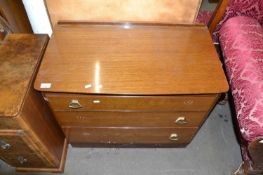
[181,120]
[4,145]
[174,137]
[74,104]
[21,160]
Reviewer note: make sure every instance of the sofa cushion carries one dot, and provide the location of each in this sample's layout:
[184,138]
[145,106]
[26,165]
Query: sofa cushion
[250,8]
[241,41]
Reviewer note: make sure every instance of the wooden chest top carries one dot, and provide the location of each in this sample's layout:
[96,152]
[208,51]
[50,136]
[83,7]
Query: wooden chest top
[19,57]
[133,59]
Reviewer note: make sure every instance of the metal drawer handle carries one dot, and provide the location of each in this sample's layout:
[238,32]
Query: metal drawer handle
[74,104]
[21,160]
[181,120]
[174,137]
[4,145]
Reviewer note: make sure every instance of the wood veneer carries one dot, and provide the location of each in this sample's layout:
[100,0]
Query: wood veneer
[24,110]
[140,60]
[60,102]
[124,83]
[217,15]
[14,13]
[129,119]
[79,135]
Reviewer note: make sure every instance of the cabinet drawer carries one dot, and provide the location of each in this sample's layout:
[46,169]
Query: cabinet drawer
[13,143]
[15,150]
[24,160]
[130,119]
[157,103]
[78,135]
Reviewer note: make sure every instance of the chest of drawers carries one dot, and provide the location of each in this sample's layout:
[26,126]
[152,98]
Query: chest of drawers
[30,138]
[127,83]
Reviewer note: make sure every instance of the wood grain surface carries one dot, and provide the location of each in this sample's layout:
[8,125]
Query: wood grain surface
[19,54]
[129,135]
[39,140]
[131,59]
[20,147]
[218,14]
[129,119]
[178,11]
[13,11]
[60,102]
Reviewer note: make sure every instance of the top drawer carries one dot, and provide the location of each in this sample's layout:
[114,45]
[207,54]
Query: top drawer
[61,102]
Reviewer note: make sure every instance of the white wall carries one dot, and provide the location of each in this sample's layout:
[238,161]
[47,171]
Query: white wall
[38,17]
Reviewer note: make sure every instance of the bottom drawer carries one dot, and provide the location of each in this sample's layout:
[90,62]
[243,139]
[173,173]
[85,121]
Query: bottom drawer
[23,160]
[78,135]
[15,150]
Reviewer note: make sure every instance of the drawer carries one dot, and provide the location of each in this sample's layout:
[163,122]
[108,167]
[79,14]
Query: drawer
[15,150]
[126,103]
[24,160]
[78,135]
[13,143]
[130,119]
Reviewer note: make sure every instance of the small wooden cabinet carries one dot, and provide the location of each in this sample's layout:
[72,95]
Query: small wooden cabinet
[128,83]
[30,138]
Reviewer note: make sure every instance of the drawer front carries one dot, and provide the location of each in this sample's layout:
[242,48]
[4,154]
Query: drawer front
[24,160]
[130,135]
[130,119]
[13,144]
[15,150]
[159,103]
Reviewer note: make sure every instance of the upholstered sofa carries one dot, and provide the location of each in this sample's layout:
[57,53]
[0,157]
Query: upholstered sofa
[237,26]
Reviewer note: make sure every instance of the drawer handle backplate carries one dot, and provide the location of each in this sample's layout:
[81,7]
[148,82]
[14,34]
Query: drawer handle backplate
[21,160]
[74,104]
[174,137]
[181,120]
[4,145]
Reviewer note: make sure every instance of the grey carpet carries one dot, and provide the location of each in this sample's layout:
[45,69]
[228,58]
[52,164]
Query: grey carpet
[214,151]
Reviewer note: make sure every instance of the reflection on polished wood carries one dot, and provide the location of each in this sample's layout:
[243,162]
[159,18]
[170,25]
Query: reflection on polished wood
[131,59]
[126,83]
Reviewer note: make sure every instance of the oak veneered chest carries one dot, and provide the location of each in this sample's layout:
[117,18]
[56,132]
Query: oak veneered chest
[130,83]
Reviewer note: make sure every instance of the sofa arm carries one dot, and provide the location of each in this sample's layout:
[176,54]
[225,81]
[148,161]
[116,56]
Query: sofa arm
[241,40]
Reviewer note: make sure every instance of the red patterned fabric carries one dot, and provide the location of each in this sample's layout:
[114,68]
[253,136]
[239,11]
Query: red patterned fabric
[241,40]
[250,8]
[204,16]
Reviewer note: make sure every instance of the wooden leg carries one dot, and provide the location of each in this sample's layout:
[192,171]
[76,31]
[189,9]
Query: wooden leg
[241,170]
[255,149]
[223,99]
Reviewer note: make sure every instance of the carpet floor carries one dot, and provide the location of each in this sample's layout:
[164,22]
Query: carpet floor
[213,151]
